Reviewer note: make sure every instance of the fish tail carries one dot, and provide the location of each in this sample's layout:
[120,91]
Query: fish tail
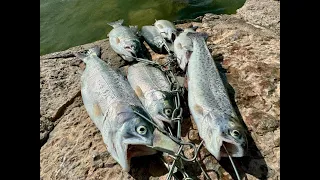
[95,50]
[116,23]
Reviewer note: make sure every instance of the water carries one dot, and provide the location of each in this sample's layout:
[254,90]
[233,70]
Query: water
[68,23]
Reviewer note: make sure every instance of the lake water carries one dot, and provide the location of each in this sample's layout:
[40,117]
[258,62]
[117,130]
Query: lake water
[67,23]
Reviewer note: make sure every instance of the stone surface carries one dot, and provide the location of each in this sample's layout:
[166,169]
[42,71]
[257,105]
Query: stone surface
[265,13]
[248,57]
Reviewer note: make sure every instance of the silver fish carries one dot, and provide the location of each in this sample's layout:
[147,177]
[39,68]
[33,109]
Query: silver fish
[183,48]
[153,89]
[124,41]
[110,102]
[210,105]
[166,29]
[154,39]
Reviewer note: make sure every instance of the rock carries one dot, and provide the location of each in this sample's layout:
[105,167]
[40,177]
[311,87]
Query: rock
[46,127]
[71,147]
[264,13]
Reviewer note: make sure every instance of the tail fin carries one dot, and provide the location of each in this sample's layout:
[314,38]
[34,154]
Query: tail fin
[95,50]
[116,23]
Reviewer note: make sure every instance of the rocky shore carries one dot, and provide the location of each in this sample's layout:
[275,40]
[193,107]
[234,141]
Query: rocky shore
[246,45]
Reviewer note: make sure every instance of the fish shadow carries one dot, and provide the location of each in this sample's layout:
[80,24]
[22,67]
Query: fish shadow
[142,168]
[253,163]
[144,50]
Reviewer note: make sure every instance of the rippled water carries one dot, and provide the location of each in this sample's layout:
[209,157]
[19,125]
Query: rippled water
[67,23]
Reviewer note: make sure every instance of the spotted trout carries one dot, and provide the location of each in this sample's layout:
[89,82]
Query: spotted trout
[210,104]
[124,41]
[154,91]
[112,105]
[154,39]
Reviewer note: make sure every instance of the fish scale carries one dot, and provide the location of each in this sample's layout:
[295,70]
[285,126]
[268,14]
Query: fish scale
[155,77]
[210,104]
[112,105]
[154,91]
[108,92]
[208,85]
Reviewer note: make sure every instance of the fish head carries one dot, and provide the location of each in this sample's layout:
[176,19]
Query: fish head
[222,138]
[136,137]
[131,48]
[160,105]
[183,48]
[132,138]
[167,30]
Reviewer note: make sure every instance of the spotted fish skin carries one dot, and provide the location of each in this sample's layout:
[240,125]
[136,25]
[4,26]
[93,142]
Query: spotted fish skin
[124,41]
[210,105]
[154,91]
[110,102]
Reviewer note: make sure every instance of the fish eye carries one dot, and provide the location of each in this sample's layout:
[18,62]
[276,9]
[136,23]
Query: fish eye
[141,130]
[167,112]
[235,133]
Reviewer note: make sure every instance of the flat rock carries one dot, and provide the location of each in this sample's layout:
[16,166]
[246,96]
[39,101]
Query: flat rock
[265,13]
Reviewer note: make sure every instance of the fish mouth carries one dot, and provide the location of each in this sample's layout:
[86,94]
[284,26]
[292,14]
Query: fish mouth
[160,142]
[220,146]
[135,150]
[160,118]
[131,51]
[231,148]
[139,150]
[163,143]
[188,54]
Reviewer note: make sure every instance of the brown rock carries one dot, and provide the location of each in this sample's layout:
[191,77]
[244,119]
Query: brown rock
[265,13]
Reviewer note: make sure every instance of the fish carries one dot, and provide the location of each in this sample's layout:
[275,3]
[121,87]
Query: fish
[112,104]
[124,40]
[183,48]
[154,39]
[166,29]
[210,104]
[154,91]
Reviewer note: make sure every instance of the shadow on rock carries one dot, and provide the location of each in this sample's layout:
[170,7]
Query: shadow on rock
[142,168]
[253,163]
[145,53]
